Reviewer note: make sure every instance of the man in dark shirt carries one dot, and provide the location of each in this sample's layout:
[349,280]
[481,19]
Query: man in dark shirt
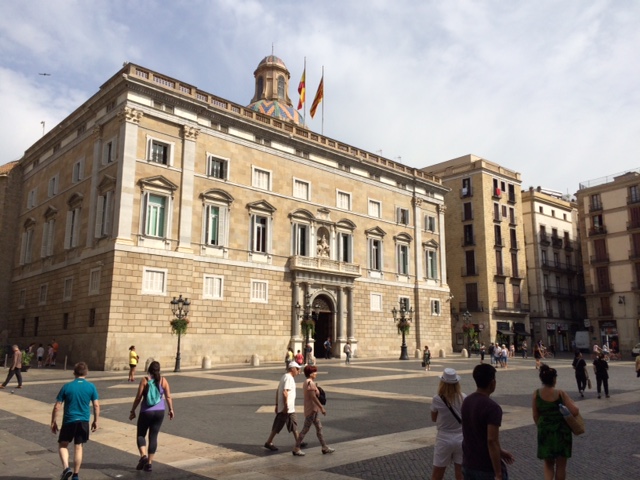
[482,455]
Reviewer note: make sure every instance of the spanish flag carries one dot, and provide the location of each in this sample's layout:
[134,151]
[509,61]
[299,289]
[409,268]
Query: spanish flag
[302,89]
[318,98]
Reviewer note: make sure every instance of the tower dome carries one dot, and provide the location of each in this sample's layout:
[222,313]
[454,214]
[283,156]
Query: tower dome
[271,95]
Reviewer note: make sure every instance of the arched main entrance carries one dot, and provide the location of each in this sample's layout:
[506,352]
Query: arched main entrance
[324,324]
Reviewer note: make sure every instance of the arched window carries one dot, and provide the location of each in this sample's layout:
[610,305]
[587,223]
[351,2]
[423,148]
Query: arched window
[281,88]
[260,88]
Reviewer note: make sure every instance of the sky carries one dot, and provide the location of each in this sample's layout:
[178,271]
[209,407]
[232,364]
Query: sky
[550,89]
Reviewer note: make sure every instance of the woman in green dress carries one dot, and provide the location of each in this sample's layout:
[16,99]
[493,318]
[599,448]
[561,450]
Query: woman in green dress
[554,435]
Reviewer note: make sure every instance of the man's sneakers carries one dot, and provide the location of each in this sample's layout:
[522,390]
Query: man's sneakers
[298,453]
[327,450]
[142,462]
[271,446]
[66,474]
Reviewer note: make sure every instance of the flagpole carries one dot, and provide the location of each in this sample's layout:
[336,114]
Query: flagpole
[304,106]
[322,125]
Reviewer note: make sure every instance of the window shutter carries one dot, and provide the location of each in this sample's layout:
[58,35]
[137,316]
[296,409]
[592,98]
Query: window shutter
[45,239]
[99,216]
[67,231]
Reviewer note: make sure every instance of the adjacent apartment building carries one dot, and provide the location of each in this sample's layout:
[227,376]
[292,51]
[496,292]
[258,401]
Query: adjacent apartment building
[554,267]
[485,251]
[155,188]
[609,223]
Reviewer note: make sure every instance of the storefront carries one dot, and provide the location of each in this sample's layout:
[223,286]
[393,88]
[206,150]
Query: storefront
[609,334]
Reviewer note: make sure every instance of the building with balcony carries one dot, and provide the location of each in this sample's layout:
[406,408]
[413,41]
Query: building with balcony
[155,188]
[485,250]
[554,267]
[609,223]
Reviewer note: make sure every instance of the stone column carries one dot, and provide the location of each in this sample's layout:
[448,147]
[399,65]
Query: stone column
[295,322]
[124,194]
[351,327]
[417,244]
[341,327]
[190,135]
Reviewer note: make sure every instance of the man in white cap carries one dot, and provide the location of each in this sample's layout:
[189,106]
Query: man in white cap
[285,407]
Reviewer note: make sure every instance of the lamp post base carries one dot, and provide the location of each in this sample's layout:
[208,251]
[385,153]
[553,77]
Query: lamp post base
[177,367]
[404,355]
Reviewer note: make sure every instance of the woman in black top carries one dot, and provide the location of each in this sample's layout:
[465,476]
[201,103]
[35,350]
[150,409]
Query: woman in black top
[580,366]
[601,367]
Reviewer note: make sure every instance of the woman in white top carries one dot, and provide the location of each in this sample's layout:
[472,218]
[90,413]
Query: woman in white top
[445,411]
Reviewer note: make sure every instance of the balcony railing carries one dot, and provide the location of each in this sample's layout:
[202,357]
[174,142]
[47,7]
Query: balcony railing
[601,230]
[635,287]
[602,258]
[470,270]
[544,238]
[468,241]
[471,307]
[633,224]
[602,288]
[631,199]
[605,312]
[569,245]
[633,254]
[321,264]
[511,307]
[517,273]
[512,198]
[595,206]
[556,242]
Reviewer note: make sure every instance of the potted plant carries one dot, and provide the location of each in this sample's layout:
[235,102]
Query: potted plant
[27,357]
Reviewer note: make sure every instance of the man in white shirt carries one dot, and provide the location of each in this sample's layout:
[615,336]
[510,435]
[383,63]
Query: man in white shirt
[285,407]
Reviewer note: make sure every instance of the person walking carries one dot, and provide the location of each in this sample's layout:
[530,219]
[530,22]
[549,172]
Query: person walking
[285,407]
[40,355]
[76,396]
[347,352]
[15,368]
[312,407]
[554,434]
[537,354]
[55,346]
[49,360]
[426,358]
[492,349]
[523,347]
[288,358]
[483,350]
[133,363]
[299,358]
[327,348]
[482,455]
[154,394]
[580,367]
[445,411]
[601,369]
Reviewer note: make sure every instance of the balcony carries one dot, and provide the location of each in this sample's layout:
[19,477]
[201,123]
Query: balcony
[466,217]
[556,242]
[633,199]
[595,206]
[602,258]
[324,265]
[514,245]
[569,245]
[466,192]
[470,271]
[499,242]
[512,221]
[471,307]
[598,289]
[544,238]
[634,255]
[601,230]
[510,307]
[633,225]
[550,291]
[635,287]
[496,193]
[497,218]
[605,312]
[469,241]
[512,198]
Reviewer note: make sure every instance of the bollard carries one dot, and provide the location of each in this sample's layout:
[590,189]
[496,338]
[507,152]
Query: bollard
[442,353]
[65,362]
[464,353]
[147,363]
[206,363]
[255,360]
[6,359]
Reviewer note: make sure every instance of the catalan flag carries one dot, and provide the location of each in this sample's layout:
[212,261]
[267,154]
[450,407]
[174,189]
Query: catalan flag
[302,89]
[318,98]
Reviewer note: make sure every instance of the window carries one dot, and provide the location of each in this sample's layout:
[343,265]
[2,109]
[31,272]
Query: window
[48,229]
[404,303]
[26,251]
[154,281]
[301,239]
[94,281]
[514,265]
[432,264]
[469,238]
[259,230]
[466,187]
[430,223]
[212,225]
[67,289]
[104,214]
[512,215]
[22,299]
[109,152]
[217,167]
[65,321]
[467,212]
[261,179]
[595,202]
[402,215]
[553,213]
[72,232]
[375,208]
[259,291]
[36,325]
[32,198]
[212,287]
[435,307]
[375,301]
[343,200]
[155,215]
[403,259]
[159,151]
[301,189]
[634,194]
[78,171]
[42,299]
[281,87]
[52,188]
[375,254]
[92,317]
[345,241]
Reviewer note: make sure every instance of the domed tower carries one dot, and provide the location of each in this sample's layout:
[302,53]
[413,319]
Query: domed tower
[272,91]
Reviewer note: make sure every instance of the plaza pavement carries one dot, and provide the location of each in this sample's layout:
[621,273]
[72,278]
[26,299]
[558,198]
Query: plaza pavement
[377,420]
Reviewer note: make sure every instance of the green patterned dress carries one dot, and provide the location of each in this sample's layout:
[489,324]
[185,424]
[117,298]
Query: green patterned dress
[554,435]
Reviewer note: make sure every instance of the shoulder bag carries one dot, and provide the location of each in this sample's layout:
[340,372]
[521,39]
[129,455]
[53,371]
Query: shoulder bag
[453,412]
[575,422]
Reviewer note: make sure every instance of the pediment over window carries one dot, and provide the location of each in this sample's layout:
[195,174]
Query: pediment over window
[403,237]
[50,212]
[302,214]
[217,195]
[375,232]
[29,222]
[158,182]
[431,244]
[261,205]
[75,199]
[346,223]
[107,183]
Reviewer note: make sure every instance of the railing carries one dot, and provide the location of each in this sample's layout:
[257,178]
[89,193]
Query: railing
[556,242]
[466,192]
[602,230]
[514,245]
[511,306]
[469,270]
[569,245]
[468,241]
[544,238]
[633,224]
[324,264]
[633,199]
[605,312]
[633,254]
[602,258]
[635,287]
[471,307]
[511,199]
[466,218]
[603,288]
[595,206]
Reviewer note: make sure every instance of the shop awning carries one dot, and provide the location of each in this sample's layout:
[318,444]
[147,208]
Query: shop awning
[503,332]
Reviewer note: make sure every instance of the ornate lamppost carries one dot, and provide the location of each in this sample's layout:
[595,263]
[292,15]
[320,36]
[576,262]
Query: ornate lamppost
[307,315]
[402,318]
[180,309]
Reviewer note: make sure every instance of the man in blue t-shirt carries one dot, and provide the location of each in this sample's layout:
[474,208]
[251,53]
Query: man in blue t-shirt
[482,455]
[76,397]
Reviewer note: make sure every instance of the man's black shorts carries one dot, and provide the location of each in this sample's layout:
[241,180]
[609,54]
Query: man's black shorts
[78,432]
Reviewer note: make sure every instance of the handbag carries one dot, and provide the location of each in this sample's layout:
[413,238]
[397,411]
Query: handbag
[576,424]
[424,364]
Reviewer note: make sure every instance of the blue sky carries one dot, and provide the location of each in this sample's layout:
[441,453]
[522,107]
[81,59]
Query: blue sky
[550,89]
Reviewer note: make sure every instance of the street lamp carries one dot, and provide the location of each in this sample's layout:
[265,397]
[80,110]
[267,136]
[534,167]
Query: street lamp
[180,309]
[467,320]
[402,319]
[307,315]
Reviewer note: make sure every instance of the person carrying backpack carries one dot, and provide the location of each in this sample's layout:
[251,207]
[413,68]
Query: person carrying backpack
[154,394]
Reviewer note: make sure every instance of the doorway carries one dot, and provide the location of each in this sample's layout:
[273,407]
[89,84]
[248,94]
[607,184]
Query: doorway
[323,331]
